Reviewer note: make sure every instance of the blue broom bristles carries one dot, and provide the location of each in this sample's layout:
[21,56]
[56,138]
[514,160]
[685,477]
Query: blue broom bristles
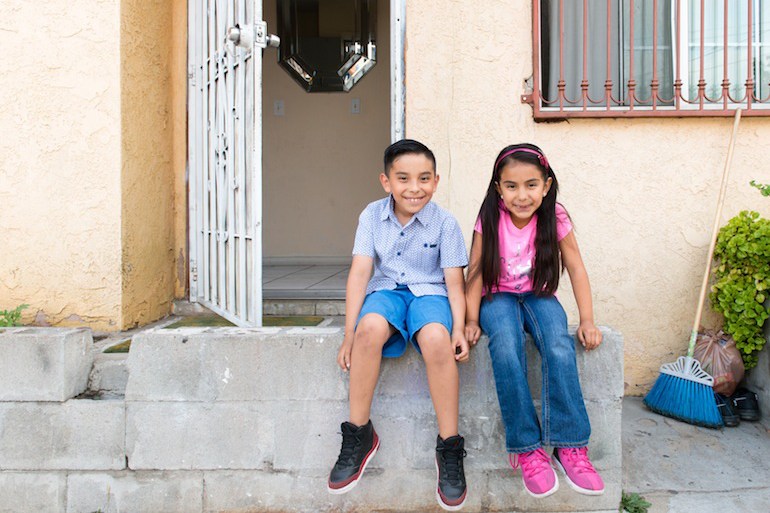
[684,400]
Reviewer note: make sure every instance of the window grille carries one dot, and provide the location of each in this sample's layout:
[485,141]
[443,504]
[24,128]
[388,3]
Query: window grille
[646,58]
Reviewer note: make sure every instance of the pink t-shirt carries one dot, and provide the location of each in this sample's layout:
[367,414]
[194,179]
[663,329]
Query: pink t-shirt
[517,249]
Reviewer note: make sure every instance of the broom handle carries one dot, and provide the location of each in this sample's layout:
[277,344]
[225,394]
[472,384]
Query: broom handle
[715,231]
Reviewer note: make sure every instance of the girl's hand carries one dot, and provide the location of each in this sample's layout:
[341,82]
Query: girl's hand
[472,332]
[343,356]
[589,335]
[459,340]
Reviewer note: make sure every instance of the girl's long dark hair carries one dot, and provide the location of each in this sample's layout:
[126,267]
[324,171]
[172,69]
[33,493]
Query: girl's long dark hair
[547,266]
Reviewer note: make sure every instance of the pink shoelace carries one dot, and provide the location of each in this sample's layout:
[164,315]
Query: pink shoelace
[578,458]
[532,463]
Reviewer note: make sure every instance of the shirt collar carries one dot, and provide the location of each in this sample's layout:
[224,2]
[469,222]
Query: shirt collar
[424,216]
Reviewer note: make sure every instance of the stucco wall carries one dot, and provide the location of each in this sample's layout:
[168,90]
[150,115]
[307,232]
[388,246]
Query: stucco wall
[320,161]
[92,156]
[60,160]
[150,31]
[642,193]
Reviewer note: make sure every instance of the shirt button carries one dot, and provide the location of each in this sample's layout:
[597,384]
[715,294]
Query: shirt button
[425,245]
[402,234]
[402,274]
[399,253]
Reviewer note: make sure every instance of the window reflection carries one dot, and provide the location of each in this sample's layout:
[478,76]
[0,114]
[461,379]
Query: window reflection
[327,45]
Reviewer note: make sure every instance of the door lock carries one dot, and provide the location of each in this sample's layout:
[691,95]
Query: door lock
[252,35]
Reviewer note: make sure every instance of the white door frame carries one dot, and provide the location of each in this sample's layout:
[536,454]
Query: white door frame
[397,76]
[227,297]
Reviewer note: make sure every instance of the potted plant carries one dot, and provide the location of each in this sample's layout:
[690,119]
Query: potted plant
[741,279]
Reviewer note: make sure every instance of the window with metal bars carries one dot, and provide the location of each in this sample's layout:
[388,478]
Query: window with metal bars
[625,58]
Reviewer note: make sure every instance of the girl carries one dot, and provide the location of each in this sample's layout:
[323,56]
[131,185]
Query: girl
[522,240]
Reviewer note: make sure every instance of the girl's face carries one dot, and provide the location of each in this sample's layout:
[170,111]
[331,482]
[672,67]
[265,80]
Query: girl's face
[522,188]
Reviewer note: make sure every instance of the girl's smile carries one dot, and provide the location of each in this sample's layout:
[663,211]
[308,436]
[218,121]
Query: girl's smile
[522,189]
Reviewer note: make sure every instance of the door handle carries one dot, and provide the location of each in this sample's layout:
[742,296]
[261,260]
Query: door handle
[248,36]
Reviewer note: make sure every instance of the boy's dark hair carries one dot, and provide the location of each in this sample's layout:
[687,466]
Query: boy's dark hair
[547,265]
[402,147]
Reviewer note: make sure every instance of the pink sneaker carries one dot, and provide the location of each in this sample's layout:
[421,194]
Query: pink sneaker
[580,473]
[536,472]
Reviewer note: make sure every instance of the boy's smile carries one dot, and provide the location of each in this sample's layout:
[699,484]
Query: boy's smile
[522,189]
[412,180]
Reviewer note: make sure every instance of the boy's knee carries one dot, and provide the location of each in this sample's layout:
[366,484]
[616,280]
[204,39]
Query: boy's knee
[372,330]
[434,342]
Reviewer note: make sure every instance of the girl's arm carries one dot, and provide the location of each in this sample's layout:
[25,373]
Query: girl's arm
[355,292]
[473,292]
[588,334]
[455,286]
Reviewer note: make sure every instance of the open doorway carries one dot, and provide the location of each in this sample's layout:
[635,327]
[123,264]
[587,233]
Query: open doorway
[322,153]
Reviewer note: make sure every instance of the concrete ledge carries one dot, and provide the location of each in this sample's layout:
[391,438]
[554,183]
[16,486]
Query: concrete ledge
[109,373]
[199,435]
[77,434]
[24,492]
[44,364]
[259,412]
[234,364]
[390,490]
[167,492]
[247,420]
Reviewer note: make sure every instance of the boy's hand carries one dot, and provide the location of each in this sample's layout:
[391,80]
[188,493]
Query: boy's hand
[472,332]
[343,356]
[589,335]
[459,341]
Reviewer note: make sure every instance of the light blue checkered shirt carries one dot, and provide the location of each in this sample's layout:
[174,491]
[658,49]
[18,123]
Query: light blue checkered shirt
[413,255]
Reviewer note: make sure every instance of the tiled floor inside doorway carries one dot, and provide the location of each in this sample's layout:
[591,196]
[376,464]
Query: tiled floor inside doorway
[292,281]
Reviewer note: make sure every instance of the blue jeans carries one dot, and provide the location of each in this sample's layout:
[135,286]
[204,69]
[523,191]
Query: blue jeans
[504,319]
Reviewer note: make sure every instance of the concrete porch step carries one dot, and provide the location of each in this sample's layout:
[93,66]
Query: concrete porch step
[230,419]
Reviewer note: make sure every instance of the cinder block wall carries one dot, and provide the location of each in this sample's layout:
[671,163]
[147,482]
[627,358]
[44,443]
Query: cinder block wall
[218,420]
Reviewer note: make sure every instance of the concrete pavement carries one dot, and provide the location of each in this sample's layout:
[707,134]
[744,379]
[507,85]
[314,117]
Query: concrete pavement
[681,468]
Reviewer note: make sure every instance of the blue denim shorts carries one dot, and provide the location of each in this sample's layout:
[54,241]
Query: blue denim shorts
[408,314]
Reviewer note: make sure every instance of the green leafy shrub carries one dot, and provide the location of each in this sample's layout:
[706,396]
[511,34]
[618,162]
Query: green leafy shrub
[633,503]
[764,188]
[10,318]
[742,280]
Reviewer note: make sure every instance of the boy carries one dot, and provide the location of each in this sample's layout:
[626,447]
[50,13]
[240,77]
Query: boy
[416,294]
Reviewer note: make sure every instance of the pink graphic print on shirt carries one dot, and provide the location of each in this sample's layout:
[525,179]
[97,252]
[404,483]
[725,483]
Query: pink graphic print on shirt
[518,266]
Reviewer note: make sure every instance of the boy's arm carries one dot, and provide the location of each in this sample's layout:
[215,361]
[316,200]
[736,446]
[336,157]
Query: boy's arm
[588,334]
[455,285]
[473,292]
[355,292]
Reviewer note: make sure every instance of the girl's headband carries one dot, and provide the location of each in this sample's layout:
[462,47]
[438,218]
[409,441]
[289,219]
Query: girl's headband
[540,156]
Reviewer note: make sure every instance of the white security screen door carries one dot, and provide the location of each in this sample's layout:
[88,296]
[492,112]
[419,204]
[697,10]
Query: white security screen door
[225,157]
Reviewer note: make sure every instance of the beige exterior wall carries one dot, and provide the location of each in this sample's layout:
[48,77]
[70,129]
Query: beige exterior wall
[91,159]
[642,193]
[320,161]
[60,152]
[152,69]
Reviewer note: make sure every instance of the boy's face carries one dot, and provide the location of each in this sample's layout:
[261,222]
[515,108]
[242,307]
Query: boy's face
[412,181]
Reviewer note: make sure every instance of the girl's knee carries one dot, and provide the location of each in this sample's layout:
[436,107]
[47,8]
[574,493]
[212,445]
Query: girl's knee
[561,350]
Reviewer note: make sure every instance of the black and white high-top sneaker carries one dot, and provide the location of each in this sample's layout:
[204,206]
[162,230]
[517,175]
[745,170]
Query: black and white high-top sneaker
[450,489]
[359,444]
